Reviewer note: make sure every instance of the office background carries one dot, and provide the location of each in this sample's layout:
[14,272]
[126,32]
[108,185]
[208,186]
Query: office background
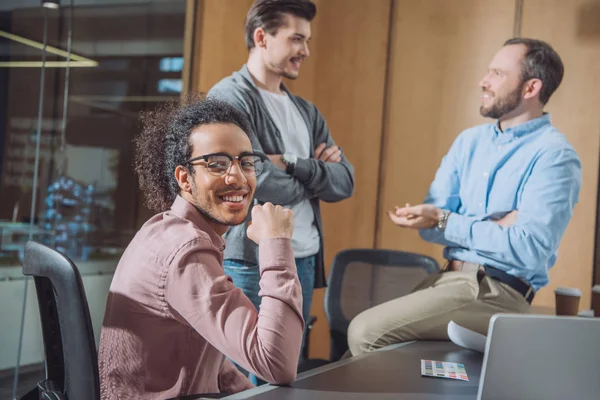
[397,80]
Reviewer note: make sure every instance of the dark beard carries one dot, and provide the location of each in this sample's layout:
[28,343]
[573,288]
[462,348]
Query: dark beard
[211,218]
[206,213]
[504,105]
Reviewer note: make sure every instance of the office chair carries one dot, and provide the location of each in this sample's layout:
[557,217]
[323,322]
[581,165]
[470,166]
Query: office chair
[71,360]
[360,279]
[71,357]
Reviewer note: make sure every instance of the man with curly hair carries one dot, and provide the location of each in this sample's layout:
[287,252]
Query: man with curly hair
[172,315]
[306,165]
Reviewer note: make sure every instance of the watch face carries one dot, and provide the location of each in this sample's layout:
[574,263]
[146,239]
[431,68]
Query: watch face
[289,158]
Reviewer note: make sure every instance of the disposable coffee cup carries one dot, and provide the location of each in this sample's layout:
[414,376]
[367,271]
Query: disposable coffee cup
[596,300]
[567,301]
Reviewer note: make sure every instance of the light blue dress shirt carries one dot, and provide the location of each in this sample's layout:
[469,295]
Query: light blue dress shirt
[486,174]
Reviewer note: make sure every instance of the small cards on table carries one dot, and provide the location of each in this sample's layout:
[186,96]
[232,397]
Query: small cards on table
[440,369]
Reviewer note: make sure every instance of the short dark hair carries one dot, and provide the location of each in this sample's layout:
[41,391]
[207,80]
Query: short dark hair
[542,62]
[270,15]
[163,143]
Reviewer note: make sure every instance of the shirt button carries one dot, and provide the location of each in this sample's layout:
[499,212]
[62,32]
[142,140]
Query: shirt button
[499,148]
[480,204]
[485,174]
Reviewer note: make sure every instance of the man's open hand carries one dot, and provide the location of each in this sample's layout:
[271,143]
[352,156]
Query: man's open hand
[422,216]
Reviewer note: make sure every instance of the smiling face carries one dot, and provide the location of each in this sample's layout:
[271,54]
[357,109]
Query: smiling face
[223,200]
[284,52]
[502,86]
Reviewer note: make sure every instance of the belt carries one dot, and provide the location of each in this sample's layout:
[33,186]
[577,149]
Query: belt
[523,288]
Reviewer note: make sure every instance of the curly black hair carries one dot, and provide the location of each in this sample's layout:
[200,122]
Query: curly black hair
[163,143]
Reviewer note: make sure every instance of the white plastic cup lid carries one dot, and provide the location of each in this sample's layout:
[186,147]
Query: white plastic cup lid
[566,291]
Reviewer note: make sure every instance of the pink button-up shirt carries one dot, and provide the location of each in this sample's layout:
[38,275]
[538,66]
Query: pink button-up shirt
[172,314]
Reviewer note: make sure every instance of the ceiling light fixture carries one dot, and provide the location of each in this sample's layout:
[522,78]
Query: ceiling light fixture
[52,4]
[75,60]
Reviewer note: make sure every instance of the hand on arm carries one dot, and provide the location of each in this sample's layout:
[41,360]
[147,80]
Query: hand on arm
[328,175]
[277,161]
[328,154]
[322,152]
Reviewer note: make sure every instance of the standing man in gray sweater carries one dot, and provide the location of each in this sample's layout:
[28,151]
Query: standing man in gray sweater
[306,166]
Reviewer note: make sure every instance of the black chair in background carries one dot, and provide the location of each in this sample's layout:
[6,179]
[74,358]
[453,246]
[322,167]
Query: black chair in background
[360,279]
[69,345]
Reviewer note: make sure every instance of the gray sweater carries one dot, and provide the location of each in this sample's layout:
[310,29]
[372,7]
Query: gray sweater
[312,179]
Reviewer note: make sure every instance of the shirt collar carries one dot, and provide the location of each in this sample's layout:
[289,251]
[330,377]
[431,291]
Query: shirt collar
[524,128]
[188,211]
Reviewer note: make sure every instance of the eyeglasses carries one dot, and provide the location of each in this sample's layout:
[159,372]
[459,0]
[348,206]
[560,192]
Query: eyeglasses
[218,164]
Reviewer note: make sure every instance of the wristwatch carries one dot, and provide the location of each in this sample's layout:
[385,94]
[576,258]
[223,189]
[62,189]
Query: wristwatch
[289,160]
[441,225]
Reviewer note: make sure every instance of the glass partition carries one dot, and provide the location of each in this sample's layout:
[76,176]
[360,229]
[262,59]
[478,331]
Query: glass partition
[126,56]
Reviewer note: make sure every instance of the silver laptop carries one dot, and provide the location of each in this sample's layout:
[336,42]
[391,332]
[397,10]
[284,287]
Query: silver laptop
[541,357]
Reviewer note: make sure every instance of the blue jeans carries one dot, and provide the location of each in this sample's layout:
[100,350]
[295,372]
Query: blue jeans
[247,277]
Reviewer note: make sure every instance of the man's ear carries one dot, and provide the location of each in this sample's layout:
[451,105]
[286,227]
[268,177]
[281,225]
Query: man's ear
[532,88]
[183,179]
[260,38]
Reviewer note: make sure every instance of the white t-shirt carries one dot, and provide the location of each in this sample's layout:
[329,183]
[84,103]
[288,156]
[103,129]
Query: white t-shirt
[296,139]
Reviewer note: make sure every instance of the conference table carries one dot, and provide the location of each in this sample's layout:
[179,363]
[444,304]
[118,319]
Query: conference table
[390,373]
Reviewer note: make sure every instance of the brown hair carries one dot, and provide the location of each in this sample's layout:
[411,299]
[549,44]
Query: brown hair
[542,62]
[269,15]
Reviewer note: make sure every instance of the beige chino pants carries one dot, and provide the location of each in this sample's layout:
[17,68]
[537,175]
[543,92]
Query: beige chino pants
[424,314]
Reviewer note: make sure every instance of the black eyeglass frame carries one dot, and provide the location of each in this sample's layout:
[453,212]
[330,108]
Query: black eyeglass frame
[206,157]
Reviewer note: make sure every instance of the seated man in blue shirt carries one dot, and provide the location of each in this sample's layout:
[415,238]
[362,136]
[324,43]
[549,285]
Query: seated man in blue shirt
[500,203]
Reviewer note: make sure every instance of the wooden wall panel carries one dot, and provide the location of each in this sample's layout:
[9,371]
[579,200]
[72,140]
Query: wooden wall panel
[219,46]
[440,50]
[349,77]
[573,29]
[345,78]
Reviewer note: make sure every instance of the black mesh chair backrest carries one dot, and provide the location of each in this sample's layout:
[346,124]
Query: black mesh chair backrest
[362,278]
[71,358]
